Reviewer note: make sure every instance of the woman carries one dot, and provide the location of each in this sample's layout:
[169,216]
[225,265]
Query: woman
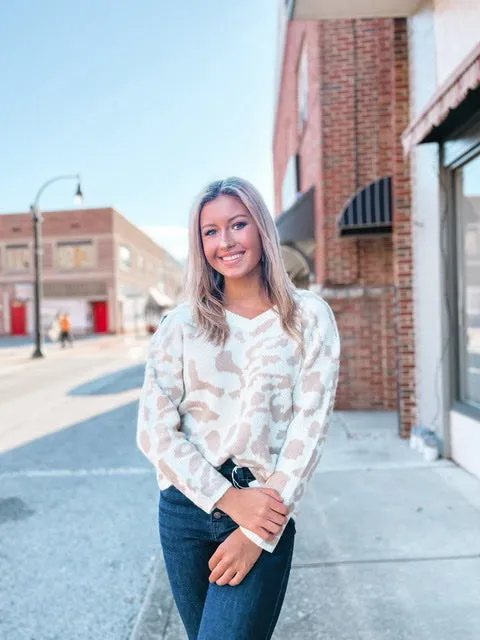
[239,386]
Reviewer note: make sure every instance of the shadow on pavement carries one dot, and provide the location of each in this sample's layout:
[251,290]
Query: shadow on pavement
[77,538]
[118,382]
[106,440]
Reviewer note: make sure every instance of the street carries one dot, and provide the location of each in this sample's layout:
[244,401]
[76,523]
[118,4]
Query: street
[388,546]
[77,505]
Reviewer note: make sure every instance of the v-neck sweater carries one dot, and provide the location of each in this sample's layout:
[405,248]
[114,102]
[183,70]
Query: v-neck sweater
[261,400]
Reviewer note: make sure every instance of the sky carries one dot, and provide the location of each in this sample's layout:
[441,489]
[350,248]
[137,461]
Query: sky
[148,100]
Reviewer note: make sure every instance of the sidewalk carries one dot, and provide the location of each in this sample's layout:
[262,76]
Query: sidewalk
[387,548]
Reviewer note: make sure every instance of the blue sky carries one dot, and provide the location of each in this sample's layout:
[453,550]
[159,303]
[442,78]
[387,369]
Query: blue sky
[147,99]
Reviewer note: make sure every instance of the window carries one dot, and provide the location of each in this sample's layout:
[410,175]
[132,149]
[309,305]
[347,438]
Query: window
[291,182]
[467,187]
[75,254]
[125,256]
[18,257]
[302,87]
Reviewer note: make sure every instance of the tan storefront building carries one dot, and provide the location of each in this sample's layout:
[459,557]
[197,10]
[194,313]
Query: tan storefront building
[96,266]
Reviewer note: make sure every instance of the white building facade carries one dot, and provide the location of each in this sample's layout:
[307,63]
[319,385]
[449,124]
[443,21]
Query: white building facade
[444,38]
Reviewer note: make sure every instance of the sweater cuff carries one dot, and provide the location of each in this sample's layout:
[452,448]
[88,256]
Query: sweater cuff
[208,504]
[266,546]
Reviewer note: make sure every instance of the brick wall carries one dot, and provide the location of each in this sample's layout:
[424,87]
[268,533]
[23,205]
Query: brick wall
[61,226]
[57,223]
[358,104]
[402,236]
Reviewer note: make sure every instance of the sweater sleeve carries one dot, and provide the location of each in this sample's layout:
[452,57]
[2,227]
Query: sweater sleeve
[313,400]
[159,436]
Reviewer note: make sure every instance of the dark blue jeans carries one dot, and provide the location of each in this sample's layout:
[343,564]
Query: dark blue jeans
[189,537]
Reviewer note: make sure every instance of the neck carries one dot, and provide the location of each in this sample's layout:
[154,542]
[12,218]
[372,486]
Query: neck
[247,289]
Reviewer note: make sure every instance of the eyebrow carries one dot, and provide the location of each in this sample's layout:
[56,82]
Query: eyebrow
[237,215]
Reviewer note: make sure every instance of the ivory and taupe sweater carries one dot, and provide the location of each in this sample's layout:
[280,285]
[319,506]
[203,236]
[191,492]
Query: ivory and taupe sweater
[256,400]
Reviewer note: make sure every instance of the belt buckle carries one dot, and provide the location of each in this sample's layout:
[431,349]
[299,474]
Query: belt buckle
[234,481]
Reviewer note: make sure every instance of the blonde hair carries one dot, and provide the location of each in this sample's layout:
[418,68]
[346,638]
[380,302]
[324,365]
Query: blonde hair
[205,286]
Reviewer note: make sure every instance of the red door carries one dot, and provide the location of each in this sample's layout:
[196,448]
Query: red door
[100,316]
[18,318]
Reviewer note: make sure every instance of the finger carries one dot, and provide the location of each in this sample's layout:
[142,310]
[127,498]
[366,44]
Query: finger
[273,494]
[263,534]
[227,576]
[271,527]
[277,518]
[237,579]
[218,571]
[215,559]
[278,507]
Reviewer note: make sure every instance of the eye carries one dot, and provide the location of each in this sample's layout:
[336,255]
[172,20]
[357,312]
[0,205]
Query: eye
[209,232]
[239,225]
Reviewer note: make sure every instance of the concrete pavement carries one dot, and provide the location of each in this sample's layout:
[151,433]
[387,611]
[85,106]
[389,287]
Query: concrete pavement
[31,390]
[20,348]
[77,500]
[388,547]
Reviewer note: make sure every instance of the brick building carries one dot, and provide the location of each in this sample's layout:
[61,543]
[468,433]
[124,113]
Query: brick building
[442,142]
[97,266]
[342,193]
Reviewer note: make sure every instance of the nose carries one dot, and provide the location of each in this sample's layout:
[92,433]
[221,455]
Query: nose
[226,239]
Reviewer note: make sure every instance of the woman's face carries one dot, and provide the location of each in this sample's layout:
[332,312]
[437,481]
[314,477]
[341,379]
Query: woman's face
[230,238]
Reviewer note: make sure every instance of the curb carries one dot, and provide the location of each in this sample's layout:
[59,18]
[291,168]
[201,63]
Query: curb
[154,615]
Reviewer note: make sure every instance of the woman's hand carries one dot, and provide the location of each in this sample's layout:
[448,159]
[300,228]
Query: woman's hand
[259,510]
[233,559]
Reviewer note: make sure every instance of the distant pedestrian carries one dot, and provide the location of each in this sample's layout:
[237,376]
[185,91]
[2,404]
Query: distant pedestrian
[65,330]
[239,387]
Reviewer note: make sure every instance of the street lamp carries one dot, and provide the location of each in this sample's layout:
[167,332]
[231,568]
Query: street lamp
[37,254]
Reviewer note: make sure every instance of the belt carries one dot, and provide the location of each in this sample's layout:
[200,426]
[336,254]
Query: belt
[240,477]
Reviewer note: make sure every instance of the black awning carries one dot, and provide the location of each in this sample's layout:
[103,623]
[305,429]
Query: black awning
[369,212]
[297,222]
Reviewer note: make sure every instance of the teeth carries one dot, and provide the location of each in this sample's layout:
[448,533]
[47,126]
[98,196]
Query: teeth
[231,258]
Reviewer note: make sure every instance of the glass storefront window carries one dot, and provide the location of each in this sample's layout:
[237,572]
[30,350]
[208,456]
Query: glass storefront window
[468,266]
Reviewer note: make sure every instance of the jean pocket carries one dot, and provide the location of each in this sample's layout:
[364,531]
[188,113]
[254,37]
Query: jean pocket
[172,494]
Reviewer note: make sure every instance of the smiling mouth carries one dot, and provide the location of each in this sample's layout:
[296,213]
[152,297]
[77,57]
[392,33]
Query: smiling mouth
[232,259]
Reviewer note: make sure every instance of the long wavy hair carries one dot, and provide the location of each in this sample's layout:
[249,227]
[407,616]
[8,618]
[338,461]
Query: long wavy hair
[205,285]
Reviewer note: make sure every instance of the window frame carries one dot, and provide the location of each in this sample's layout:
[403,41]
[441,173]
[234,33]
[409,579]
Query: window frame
[78,243]
[302,87]
[461,300]
[18,245]
[457,151]
[291,179]
[123,265]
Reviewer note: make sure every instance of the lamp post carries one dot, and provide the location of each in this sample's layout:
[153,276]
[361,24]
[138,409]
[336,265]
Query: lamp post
[37,256]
